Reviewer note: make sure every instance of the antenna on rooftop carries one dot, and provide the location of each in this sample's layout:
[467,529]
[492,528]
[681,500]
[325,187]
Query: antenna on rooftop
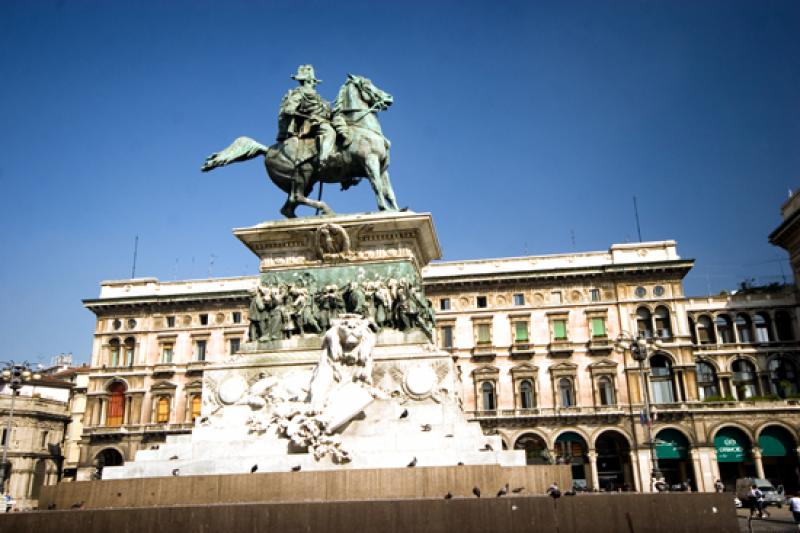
[135,250]
[636,214]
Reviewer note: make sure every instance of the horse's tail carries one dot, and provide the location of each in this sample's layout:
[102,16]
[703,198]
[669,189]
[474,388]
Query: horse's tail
[241,149]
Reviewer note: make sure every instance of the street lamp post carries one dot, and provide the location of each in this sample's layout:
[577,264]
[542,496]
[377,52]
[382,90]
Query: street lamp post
[640,351]
[13,375]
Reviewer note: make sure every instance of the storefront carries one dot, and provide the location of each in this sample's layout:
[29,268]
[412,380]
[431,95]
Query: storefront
[570,448]
[674,460]
[733,456]
[779,457]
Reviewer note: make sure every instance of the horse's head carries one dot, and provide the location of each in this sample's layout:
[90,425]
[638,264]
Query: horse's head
[358,89]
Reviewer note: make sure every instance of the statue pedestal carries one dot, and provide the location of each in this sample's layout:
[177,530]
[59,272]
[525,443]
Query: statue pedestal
[256,402]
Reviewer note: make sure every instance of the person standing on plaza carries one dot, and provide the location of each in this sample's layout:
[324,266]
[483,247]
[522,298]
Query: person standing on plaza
[719,486]
[794,507]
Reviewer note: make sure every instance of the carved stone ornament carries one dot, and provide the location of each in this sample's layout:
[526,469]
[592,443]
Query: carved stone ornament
[231,389]
[332,242]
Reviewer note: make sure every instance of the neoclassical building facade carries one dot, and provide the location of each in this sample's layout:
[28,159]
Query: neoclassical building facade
[534,339]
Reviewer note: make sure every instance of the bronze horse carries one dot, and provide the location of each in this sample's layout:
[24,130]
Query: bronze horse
[293,166]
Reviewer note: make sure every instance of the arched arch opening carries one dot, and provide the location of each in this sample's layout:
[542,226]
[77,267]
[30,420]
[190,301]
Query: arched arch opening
[488,396]
[734,455]
[674,459]
[763,326]
[725,329]
[744,328]
[107,457]
[662,379]
[705,331]
[536,452]
[39,478]
[744,379]
[116,404]
[707,382]
[570,449]
[113,352]
[644,322]
[663,322]
[779,458]
[614,470]
[130,346]
[526,400]
[782,377]
[783,325]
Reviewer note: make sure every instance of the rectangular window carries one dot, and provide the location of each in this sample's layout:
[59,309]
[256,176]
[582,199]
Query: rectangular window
[237,317]
[162,410]
[234,345]
[480,301]
[520,331]
[594,294]
[559,330]
[204,319]
[4,439]
[447,337]
[197,406]
[519,299]
[484,334]
[555,297]
[200,350]
[166,353]
[598,327]
[45,434]
[444,304]
[170,321]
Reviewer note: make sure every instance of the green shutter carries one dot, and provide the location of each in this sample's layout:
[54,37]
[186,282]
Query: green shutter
[731,444]
[559,329]
[775,442]
[671,444]
[521,331]
[598,327]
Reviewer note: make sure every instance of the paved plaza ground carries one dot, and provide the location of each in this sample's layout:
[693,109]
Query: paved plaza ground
[780,520]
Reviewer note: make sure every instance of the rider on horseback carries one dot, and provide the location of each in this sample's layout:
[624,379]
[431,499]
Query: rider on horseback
[305,113]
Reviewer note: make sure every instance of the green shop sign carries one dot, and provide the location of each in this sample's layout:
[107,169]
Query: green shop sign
[730,445]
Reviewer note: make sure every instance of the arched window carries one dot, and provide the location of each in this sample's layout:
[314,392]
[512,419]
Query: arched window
[113,352]
[129,351]
[705,331]
[526,394]
[725,329]
[783,323]
[605,389]
[196,406]
[565,392]
[108,457]
[782,377]
[663,323]
[116,404]
[763,327]
[487,394]
[644,322]
[744,379]
[707,384]
[744,328]
[162,410]
[661,379]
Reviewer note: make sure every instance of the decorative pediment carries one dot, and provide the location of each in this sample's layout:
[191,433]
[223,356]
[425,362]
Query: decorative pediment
[485,371]
[164,385]
[564,369]
[525,370]
[196,384]
[603,366]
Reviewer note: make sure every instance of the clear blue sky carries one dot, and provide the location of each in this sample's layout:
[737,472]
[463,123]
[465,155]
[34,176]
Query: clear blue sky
[523,127]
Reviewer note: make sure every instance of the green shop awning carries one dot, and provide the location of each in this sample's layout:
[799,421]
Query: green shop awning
[570,436]
[671,444]
[775,442]
[731,445]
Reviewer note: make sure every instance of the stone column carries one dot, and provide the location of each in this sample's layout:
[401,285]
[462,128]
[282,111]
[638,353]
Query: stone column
[103,407]
[636,471]
[758,463]
[592,455]
[697,470]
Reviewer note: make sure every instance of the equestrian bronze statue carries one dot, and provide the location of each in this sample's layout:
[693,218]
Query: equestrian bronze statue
[320,144]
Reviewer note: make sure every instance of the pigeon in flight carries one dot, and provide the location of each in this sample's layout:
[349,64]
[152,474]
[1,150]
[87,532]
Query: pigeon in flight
[296,468]
[175,471]
[425,427]
[413,463]
[404,414]
[253,469]
[517,490]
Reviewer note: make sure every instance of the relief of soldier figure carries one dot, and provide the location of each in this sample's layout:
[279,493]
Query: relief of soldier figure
[279,310]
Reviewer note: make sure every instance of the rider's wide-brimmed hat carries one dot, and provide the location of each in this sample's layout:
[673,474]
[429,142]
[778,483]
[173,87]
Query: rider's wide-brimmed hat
[304,73]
